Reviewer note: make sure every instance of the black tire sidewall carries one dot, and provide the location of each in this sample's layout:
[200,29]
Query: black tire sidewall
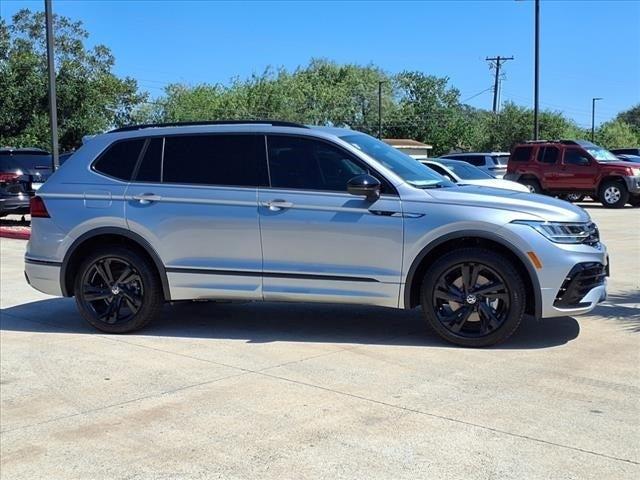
[497,262]
[151,300]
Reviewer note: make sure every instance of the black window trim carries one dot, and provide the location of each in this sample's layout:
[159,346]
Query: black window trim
[92,165]
[359,161]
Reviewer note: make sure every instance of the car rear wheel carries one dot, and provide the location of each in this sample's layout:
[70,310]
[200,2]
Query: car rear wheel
[117,290]
[532,184]
[613,194]
[473,297]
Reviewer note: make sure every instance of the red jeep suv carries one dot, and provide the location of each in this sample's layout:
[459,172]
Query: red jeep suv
[574,168]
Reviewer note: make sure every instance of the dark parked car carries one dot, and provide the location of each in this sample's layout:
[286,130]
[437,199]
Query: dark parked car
[629,158]
[625,151]
[22,172]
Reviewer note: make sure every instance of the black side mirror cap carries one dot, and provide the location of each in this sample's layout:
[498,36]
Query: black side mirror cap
[364,186]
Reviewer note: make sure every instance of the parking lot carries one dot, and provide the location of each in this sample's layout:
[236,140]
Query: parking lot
[316,391]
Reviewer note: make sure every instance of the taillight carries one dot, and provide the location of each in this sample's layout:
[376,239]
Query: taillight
[37,208]
[6,177]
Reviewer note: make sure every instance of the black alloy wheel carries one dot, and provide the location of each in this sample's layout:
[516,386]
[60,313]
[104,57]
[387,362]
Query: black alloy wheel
[117,290]
[112,289]
[471,300]
[473,297]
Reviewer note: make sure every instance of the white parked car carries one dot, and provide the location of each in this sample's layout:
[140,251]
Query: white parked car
[464,173]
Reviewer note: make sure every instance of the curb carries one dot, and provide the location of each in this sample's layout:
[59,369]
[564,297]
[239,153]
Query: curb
[19,233]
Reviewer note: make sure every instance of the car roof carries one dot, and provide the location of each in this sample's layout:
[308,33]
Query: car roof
[234,126]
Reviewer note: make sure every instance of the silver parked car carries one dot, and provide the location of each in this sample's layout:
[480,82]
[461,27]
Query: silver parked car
[463,173]
[275,211]
[494,163]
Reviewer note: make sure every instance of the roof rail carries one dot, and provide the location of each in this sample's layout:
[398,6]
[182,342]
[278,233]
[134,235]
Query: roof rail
[275,123]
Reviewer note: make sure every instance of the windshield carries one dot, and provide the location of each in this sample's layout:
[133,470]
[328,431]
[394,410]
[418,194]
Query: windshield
[601,155]
[466,171]
[409,169]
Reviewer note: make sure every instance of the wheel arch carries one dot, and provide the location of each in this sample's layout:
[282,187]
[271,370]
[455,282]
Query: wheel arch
[108,236]
[472,238]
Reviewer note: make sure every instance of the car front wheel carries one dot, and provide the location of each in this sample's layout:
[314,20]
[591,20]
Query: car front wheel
[613,194]
[473,297]
[117,290]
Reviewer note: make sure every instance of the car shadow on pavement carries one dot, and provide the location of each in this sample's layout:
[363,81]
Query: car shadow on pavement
[257,322]
[596,205]
[623,308]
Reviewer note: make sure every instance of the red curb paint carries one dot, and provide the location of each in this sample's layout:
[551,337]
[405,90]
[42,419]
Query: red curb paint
[20,233]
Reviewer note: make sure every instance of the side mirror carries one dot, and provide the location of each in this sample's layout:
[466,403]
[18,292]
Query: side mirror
[364,186]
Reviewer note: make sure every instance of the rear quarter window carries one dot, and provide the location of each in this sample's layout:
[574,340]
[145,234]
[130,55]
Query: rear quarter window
[120,158]
[521,154]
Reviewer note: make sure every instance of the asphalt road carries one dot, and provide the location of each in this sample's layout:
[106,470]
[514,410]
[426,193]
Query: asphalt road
[239,391]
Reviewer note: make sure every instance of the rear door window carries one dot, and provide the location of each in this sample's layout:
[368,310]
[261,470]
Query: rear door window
[548,155]
[119,160]
[227,160]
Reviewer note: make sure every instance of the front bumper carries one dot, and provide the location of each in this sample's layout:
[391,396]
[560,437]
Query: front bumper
[633,184]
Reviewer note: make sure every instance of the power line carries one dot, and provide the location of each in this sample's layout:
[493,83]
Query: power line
[496,62]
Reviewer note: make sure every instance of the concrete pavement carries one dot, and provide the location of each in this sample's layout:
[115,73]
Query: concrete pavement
[312,391]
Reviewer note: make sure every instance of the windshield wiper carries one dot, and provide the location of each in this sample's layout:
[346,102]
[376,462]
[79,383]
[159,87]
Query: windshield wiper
[430,185]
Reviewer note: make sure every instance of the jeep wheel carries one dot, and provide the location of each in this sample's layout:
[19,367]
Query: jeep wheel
[473,297]
[532,184]
[613,194]
[573,197]
[117,290]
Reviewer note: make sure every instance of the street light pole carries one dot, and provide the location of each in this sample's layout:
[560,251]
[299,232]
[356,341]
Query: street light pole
[593,117]
[536,81]
[53,113]
[380,82]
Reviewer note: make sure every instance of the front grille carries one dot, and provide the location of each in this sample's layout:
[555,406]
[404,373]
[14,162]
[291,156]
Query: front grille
[593,237]
[580,280]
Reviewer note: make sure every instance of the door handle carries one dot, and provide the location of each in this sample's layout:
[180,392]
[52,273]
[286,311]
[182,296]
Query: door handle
[277,204]
[147,198]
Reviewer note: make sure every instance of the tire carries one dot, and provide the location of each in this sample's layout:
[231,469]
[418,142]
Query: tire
[489,317]
[573,197]
[532,184]
[117,290]
[613,194]
[634,200]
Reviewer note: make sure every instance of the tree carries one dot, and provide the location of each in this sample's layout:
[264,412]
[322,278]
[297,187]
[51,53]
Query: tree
[91,98]
[631,116]
[617,134]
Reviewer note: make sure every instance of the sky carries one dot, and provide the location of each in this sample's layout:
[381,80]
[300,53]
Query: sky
[589,48]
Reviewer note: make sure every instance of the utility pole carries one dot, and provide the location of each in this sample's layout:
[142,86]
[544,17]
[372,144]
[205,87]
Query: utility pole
[497,62]
[593,117]
[536,80]
[380,82]
[53,109]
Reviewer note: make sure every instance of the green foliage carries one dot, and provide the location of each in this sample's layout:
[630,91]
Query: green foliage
[631,116]
[90,97]
[617,134]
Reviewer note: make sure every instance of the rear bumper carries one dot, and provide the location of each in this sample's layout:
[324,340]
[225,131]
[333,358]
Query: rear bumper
[633,184]
[43,276]
[18,205]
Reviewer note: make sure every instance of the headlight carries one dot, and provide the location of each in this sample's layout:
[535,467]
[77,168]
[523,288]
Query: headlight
[560,232]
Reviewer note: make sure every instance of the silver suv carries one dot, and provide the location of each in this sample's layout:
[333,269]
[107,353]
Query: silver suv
[275,211]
